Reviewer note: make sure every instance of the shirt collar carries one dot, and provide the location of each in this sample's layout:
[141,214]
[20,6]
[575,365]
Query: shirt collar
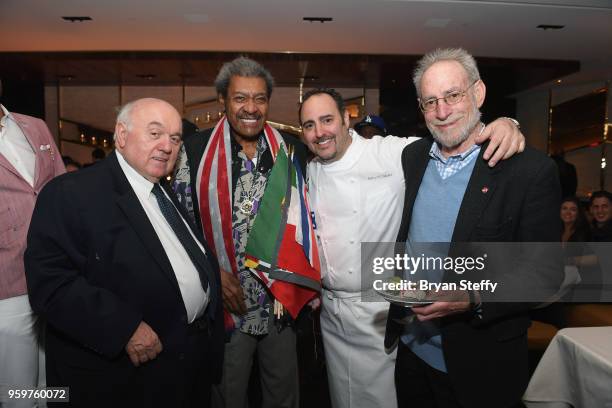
[6,116]
[142,187]
[436,154]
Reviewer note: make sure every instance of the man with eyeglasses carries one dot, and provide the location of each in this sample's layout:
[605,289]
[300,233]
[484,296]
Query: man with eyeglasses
[464,350]
[356,186]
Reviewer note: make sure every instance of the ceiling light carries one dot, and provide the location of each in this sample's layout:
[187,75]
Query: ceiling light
[319,19]
[77,19]
[550,27]
[146,76]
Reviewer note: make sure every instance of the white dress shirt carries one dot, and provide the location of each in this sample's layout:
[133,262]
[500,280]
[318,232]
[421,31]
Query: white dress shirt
[16,148]
[194,296]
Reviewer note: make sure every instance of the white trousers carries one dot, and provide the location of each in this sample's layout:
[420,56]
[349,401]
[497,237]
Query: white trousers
[21,358]
[360,372]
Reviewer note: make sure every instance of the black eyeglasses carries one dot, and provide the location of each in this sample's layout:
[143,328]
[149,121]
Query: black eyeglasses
[451,99]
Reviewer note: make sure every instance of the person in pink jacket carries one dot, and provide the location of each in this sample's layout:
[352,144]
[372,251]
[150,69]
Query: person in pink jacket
[29,158]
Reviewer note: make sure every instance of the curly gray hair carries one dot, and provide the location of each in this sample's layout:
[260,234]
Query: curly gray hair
[243,67]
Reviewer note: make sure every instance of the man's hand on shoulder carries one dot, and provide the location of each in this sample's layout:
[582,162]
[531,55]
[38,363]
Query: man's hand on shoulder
[233,296]
[144,345]
[505,140]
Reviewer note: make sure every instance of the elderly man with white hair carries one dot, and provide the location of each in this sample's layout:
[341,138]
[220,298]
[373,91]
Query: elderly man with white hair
[130,294]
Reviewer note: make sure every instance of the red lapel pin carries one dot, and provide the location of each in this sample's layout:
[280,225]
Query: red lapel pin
[485,190]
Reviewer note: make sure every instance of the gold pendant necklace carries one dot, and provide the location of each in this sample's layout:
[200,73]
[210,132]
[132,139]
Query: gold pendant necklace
[246,206]
[247,203]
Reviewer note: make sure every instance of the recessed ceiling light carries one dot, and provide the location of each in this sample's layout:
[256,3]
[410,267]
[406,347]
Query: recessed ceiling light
[146,76]
[67,77]
[550,27]
[77,19]
[319,19]
[559,81]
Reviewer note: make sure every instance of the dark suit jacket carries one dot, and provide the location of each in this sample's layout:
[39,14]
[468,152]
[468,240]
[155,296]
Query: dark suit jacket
[195,146]
[486,357]
[95,268]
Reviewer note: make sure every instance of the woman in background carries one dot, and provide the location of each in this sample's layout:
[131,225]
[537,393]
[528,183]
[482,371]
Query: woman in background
[574,230]
[574,225]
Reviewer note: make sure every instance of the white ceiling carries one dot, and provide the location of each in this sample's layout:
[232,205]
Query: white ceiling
[486,28]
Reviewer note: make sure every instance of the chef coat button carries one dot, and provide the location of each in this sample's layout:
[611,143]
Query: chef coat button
[352,180]
[354,211]
[181,356]
[352,241]
[350,270]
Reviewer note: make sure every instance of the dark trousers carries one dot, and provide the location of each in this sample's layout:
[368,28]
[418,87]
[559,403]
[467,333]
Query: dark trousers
[420,385]
[172,379]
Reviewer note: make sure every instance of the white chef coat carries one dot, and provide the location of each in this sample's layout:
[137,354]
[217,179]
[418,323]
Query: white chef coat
[358,198]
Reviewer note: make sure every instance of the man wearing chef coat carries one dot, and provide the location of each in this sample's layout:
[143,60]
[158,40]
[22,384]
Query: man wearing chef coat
[356,188]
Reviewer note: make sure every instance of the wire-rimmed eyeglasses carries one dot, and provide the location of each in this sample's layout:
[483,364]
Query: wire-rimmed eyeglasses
[451,98]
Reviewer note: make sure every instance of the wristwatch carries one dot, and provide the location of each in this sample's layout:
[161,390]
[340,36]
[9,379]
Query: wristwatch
[516,122]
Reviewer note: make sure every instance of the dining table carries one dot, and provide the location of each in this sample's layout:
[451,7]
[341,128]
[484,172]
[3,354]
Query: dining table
[575,371]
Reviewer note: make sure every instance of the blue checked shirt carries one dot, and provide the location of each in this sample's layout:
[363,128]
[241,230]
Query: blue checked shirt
[451,165]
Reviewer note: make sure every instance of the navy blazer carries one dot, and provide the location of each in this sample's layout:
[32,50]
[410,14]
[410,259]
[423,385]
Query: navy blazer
[95,269]
[516,201]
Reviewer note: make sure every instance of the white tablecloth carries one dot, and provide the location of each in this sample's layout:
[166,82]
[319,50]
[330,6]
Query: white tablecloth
[575,371]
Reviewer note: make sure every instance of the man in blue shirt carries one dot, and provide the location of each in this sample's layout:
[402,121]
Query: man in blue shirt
[465,350]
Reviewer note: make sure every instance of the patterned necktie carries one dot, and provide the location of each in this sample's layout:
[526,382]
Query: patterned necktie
[191,247]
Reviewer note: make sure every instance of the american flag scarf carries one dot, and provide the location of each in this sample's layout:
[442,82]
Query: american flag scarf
[214,191]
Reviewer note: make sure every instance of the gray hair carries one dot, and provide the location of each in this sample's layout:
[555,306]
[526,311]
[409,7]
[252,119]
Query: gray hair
[125,116]
[243,67]
[445,54]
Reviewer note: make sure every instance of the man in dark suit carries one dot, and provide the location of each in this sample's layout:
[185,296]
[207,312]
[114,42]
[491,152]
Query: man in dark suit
[221,179]
[465,350]
[130,296]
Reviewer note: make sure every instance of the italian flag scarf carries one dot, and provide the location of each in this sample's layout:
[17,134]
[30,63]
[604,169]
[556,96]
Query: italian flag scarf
[281,249]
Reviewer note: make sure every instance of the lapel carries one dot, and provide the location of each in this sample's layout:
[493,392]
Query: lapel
[414,164]
[134,213]
[27,132]
[194,149]
[480,189]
